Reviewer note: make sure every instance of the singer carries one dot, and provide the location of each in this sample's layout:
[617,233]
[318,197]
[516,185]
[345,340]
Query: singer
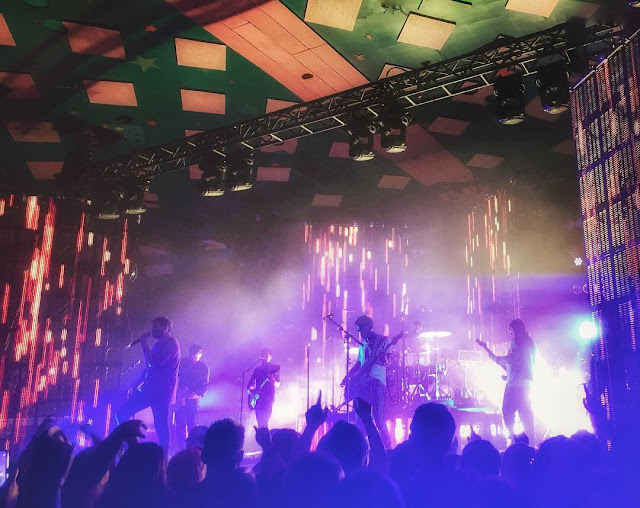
[156,388]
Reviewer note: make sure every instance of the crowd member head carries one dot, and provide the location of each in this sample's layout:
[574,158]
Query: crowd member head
[345,442]
[43,466]
[195,352]
[196,437]
[517,465]
[223,446]
[285,442]
[160,327]
[311,481]
[480,458]
[185,470]
[138,479]
[370,489]
[432,431]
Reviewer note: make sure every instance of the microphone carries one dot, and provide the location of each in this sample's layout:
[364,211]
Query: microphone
[328,316]
[130,345]
[137,341]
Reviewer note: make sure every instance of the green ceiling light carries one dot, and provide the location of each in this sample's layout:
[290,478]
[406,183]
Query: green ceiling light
[553,82]
[214,169]
[55,25]
[509,91]
[361,140]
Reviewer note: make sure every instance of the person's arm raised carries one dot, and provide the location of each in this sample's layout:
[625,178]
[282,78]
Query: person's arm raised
[315,416]
[378,458]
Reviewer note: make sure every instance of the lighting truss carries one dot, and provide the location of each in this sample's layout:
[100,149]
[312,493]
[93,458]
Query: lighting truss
[434,82]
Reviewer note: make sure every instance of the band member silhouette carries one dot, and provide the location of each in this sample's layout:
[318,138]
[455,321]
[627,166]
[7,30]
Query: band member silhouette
[157,386]
[262,388]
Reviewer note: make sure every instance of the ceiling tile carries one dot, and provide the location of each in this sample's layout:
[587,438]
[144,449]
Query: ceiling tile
[478,96]
[335,13]
[113,93]
[203,102]
[537,7]
[585,10]
[481,160]
[273,174]
[33,132]
[151,200]
[425,31]
[6,39]
[203,55]
[276,105]
[326,200]
[44,169]
[393,182]
[339,149]
[93,40]
[426,160]
[195,173]
[451,126]
[18,86]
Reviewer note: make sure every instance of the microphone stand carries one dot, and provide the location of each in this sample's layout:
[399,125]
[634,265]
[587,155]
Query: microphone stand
[347,336]
[240,380]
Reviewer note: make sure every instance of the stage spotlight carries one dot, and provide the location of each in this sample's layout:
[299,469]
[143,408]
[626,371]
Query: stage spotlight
[214,169]
[361,141]
[553,82]
[509,91]
[393,133]
[133,201]
[587,330]
[107,205]
[240,177]
[578,261]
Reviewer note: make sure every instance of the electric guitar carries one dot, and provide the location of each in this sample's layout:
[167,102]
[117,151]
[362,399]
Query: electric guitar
[183,391]
[484,346]
[256,391]
[356,379]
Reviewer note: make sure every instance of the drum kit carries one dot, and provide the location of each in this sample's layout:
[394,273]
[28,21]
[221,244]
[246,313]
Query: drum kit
[423,370]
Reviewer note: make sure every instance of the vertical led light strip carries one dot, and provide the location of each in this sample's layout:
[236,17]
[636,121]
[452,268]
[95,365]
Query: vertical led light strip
[54,298]
[353,270]
[490,275]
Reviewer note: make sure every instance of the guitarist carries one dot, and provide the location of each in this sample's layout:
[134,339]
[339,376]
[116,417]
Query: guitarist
[263,383]
[193,381]
[373,391]
[519,364]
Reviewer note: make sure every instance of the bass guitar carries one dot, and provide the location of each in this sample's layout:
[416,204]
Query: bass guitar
[356,379]
[254,393]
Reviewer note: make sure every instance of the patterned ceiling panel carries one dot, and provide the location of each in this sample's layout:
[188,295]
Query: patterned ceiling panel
[129,75]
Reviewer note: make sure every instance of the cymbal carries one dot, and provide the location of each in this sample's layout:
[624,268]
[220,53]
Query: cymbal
[439,334]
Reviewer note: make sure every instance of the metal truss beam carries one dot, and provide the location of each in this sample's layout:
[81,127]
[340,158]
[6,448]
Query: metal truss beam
[434,82]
